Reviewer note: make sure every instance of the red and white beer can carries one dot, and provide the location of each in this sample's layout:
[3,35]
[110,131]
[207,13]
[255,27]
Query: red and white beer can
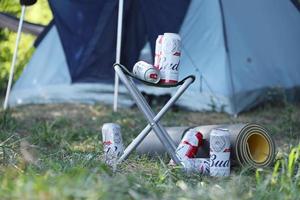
[170,57]
[219,152]
[146,72]
[158,52]
[198,165]
[189,145]
[112,143]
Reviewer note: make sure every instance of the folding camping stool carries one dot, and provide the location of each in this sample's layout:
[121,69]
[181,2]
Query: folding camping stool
[153,120]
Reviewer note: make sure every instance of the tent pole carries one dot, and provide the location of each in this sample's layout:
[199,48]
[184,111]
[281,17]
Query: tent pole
[118,52]
[13,63]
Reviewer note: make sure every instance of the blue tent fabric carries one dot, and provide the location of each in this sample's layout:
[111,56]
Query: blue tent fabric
[43,34]
[88,32]
[79,24]
[163,16]
[239,50]
[296,4]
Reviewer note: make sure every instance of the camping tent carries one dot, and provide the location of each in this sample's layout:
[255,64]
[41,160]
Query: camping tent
[237,49]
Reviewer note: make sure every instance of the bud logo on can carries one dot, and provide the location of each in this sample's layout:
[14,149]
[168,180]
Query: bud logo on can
[146,72]
[214,162]
[112,142]
[169,58]
[219,152]
[153,76]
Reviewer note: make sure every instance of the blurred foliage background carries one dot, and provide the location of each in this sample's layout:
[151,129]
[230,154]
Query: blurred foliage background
[39,13]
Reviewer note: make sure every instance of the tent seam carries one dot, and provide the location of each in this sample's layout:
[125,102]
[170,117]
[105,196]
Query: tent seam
[228,58]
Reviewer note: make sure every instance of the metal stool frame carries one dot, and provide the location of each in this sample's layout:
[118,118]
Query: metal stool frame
[153,120]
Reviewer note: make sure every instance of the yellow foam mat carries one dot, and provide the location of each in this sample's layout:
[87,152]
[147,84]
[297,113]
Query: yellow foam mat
[251,144]
[258,147]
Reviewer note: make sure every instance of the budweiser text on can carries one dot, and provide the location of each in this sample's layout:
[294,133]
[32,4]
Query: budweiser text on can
[158,52]
[219,152]
[169,59]
[112,142]
[189,145]
[146,72]
[198,165]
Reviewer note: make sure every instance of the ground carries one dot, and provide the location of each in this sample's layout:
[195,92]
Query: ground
[55,152]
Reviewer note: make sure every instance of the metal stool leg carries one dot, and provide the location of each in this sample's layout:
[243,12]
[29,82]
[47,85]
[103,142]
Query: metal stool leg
[151,113]
[144,107]
[132,146]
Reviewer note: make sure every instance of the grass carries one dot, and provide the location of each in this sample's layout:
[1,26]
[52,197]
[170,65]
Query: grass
[55,152]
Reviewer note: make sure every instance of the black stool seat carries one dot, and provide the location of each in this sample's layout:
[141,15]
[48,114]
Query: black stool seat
[27,2]
[128,73]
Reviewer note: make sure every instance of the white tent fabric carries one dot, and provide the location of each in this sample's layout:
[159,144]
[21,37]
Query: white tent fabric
[204,55]
[263,48]
[237,50]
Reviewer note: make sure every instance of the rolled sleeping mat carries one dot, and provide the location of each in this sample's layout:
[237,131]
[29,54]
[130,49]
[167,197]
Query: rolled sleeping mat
[251,144]
[153,147]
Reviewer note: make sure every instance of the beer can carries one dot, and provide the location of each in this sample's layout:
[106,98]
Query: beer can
[198,165]
[189,145]
[219,152]
[170,57]
[112,143]
[146,72]
[158,52]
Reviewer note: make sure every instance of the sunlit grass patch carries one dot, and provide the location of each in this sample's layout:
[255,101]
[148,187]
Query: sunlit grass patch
[51,156]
